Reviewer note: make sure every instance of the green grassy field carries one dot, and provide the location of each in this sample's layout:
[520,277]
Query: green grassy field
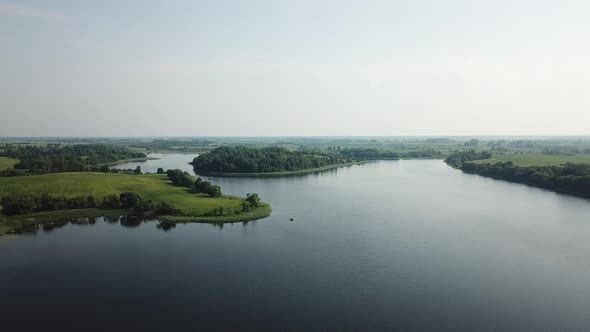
[154,187]
[6,162]
[537,159]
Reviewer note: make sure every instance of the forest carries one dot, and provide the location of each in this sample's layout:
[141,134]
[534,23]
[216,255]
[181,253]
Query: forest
[241,159]
[67,158]
[570,178]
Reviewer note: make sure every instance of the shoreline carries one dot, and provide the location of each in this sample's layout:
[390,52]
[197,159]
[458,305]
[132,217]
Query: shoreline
[130,160]
[8,225]
[526,183]
[281,174]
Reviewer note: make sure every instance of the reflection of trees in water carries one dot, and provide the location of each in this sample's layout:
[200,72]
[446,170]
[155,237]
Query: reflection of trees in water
[111,220]
[54,225]
[126,221]
[165,225]
[131,221]
[83,221]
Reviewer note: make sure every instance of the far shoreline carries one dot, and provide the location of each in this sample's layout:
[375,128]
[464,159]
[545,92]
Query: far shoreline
[282,174]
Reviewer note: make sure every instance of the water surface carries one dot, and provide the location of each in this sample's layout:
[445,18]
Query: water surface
[412,245]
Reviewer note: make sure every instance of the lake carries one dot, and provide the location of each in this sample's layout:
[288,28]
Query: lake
[389,245]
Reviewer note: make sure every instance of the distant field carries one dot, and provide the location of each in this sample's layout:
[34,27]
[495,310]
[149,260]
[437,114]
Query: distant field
[6,162]
[537,159]
[154,187]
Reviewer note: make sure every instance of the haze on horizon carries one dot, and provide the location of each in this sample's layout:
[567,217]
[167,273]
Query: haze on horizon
[283,68]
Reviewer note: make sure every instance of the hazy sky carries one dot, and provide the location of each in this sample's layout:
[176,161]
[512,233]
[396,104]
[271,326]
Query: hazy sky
[280,68]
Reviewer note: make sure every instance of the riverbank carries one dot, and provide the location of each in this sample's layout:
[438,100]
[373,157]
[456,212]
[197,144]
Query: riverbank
[571,179]
[130,160]
[16,224]
[281,174]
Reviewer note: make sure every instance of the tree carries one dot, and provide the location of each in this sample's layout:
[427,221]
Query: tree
[166,209]
[110,202]
[214,191]
[130,199]
[197,185]
[253,199]
[160,171]
[204,187]
[137,170]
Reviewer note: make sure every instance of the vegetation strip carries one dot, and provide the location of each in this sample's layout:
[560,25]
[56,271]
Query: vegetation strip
[62,190]
[569,178]
[289,173]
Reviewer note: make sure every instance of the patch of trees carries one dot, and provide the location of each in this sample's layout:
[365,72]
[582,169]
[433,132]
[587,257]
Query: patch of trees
[25,203]
[67,158]
[241,159]
[368,153]
[570,178]
[458,158]
[422,154]
[252,201]
[184,179]
[29,203]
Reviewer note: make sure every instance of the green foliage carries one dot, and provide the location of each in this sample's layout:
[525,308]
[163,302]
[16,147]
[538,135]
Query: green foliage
[25,203]
[570,178]
[130,200]
[160,171]
[110,202]
[68,158]
[166,209]
[241,159]
[252,201]
[180,178]
[214,191]
[537,159]
[137,170]
[6,163]
[458,158]
[99,185]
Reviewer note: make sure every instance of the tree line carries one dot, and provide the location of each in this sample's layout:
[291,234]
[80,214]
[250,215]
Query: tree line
[458,158]
[184,179]
[241,159]
[68,158]
[570,178]
[26,203]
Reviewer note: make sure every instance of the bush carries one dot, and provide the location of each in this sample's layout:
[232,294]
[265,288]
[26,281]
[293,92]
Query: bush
[130,200]
[166,209]
[214,191]
[110,202]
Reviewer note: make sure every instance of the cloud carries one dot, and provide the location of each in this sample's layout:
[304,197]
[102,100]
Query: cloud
[18,11]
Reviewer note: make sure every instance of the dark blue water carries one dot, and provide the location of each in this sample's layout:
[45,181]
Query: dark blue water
[392,245]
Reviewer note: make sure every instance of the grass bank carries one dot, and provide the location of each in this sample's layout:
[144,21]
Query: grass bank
[193,207]
[280,174]
[6,162]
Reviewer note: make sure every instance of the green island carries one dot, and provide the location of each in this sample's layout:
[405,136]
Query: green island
[188,206]
[242,161]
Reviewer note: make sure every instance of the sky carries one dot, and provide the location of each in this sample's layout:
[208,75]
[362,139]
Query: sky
[294,68]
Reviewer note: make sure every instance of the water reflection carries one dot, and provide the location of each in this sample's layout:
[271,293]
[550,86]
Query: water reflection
[165,225]
[131,221]
[52,226]
[126,221]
